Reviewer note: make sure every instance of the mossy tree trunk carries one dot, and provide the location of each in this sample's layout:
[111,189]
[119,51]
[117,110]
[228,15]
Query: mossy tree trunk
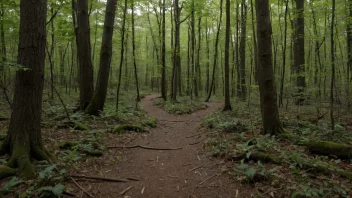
[267,88]
[24,139]
[97,103]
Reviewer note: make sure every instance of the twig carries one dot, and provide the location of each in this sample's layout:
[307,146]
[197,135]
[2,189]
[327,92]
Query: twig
[199,134]
[127,189]
[101,178]
[80,187]
[195,168]
[208,179]
[143,147]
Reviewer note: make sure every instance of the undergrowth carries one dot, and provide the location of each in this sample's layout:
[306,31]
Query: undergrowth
[235,136]
[182,106]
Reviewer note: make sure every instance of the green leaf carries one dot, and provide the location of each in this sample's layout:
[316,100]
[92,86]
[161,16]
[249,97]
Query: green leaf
[248,154]
[12,183]
[58,189]
[251,172]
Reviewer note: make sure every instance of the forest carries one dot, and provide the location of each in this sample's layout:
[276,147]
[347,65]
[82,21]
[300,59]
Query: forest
[175,98]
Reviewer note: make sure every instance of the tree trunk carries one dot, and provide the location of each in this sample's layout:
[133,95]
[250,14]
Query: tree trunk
[332,66]
[138,98]
[255,46]
[121,54]
[177,56]
[242,69]
[270,114]
[84,53]
[212,85]
[349,52]
[96,105]
[24,139]
[299,59]
[227,106]
[163,56]
[283,57]
[2,45]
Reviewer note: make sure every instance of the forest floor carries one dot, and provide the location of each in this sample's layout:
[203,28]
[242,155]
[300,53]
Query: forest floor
[185,172]
[186,149]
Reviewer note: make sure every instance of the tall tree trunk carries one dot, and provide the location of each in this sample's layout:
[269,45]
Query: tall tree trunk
[86,86]
[212,85]
[121,54]
[208,57]
[255,45]
[299,59]
[283,57]
[24,139]
[332,66]
[227,54]
[242,68]
[349,52]
[198,69]
[177,56]
[267,88]
[163,56]
[96,105]
[138,98]
[2,44]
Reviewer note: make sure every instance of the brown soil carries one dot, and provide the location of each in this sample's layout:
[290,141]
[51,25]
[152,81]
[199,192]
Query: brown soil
[165,173]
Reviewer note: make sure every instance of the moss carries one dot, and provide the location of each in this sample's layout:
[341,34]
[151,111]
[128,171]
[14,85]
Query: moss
[20,158]
[80,127]
[151,122]
[128,127]
[3,117]
[327,148]
[6,171]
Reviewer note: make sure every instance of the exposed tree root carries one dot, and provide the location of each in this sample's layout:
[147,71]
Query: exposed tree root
[6,171]
[20,158]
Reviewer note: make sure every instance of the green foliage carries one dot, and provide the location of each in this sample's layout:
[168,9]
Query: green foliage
[6,188]
[225,122]
[127,127]
[183,106]
[51,191]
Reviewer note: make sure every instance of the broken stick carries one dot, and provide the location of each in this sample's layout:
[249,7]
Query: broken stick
[101,178]
[143,147]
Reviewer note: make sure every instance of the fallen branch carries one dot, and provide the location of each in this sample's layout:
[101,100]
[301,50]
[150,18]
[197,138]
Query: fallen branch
[198,167]
[199,134]
[195,143]
[80,187]
[101,178]
[127,189]
[143,147]
[208,179]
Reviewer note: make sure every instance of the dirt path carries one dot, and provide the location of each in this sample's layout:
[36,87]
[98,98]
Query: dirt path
[169,173]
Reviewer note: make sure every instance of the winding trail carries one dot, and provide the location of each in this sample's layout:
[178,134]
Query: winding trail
[188,172]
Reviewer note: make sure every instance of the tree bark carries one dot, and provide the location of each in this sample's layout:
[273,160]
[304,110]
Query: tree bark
[24,139]
[212,85]
[84,53]
[227,106]
[332,44]
[96,105]
[163,56]
[121,54]
[242,69]
[267,88]
[299,59]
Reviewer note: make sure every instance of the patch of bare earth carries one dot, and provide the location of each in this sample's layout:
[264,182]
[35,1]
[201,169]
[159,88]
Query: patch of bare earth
[186,171]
